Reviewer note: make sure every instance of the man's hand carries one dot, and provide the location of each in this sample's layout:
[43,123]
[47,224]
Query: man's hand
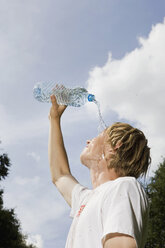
[56,110]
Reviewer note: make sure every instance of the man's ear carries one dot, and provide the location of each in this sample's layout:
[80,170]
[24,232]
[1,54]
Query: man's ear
[109,153]
[108,150]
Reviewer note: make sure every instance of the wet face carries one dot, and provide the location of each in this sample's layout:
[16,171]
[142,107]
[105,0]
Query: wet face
[93,150]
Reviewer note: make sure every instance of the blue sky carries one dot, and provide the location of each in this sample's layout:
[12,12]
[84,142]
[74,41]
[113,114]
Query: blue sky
[114,49]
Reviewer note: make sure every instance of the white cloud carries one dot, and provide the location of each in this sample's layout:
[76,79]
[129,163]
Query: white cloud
[134,88]
[34,156]
[35,240]
[25,180]
[37,127]
[35,202]
[13,131]
[35,213]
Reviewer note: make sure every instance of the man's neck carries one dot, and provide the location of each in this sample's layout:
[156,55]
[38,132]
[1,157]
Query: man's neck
[101,174]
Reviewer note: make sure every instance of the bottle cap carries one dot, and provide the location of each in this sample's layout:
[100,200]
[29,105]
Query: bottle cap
[91,98]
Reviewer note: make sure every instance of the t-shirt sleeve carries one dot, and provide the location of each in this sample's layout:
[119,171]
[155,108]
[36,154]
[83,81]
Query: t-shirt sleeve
[121,212]
[79,195]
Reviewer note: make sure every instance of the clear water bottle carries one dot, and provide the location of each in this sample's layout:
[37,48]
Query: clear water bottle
[65,96]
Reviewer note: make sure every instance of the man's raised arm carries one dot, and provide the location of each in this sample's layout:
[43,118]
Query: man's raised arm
[59,166]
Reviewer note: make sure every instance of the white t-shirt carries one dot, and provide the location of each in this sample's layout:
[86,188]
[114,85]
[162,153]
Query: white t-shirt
[119,205]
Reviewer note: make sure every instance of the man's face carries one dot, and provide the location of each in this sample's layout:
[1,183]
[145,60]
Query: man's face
[93,150]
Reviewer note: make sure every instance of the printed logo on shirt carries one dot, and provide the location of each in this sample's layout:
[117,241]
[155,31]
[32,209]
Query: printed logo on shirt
[80,210]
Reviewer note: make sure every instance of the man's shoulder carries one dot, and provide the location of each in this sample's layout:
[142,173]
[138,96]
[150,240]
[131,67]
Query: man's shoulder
[124,186]
[124,182]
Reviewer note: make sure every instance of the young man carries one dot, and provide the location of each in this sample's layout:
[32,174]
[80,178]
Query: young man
[114,214]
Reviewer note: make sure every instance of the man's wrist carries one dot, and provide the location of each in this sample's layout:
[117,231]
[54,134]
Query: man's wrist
[54,119]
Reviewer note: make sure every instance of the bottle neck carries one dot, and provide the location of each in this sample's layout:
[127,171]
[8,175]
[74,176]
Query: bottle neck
[91,98]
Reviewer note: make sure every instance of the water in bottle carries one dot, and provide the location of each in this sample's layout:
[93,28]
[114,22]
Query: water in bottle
[75,97]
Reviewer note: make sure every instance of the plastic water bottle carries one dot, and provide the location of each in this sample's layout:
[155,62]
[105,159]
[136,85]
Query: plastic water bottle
[65,96]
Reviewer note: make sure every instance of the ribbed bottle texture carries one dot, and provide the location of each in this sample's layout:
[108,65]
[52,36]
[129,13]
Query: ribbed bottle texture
[65,96]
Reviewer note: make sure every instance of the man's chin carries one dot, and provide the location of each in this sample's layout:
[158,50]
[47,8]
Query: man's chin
[83,159]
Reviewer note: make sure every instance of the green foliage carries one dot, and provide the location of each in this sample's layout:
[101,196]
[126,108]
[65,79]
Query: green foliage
[10,229]
[4,166]
[156,193]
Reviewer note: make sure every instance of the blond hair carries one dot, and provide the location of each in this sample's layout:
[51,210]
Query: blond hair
[132,157]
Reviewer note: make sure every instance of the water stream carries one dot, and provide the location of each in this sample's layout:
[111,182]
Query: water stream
[102,124]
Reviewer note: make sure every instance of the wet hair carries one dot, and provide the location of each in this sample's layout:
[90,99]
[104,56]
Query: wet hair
[132,154]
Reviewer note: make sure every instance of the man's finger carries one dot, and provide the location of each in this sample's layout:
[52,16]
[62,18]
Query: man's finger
[53,100]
